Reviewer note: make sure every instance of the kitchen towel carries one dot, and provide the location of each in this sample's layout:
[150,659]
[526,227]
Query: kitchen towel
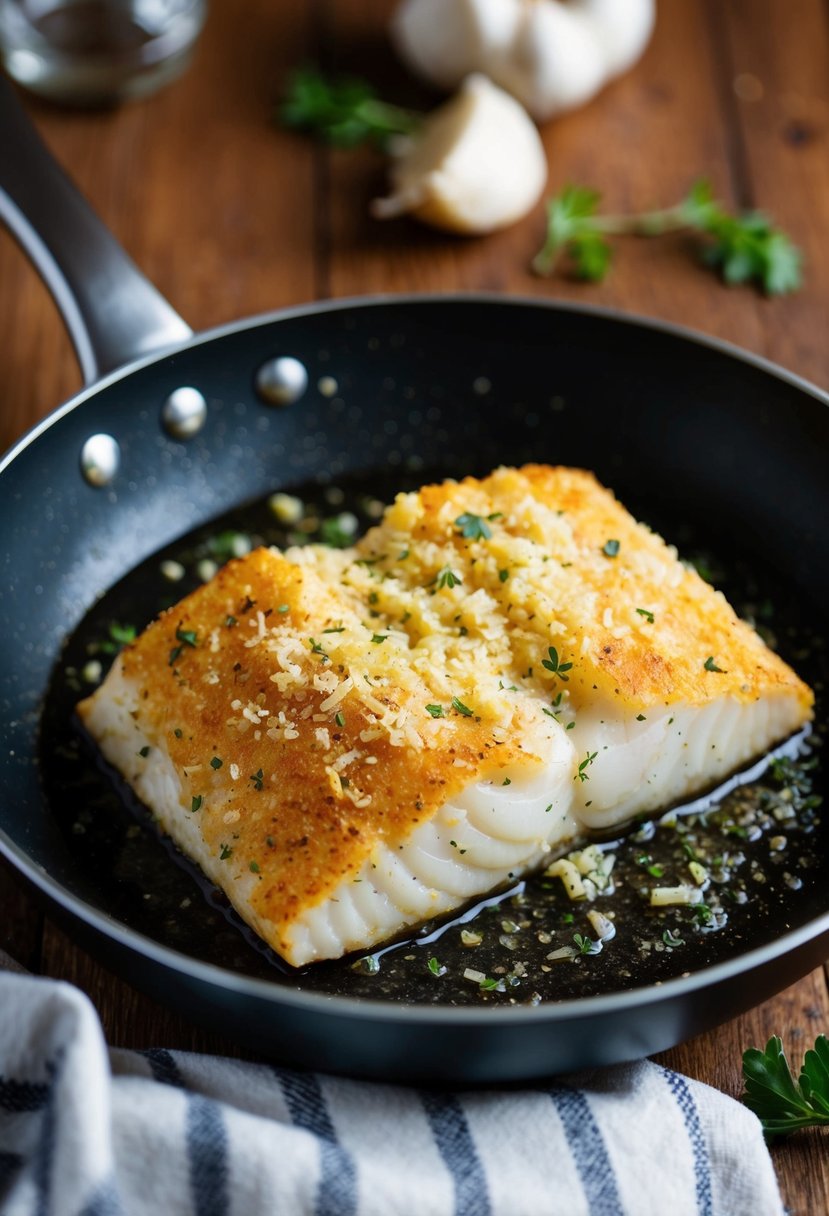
[89,1132]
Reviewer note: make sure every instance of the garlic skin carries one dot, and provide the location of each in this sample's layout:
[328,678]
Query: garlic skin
[476,164]
[550,56]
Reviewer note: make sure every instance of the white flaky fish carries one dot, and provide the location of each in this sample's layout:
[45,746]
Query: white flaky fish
[349,742]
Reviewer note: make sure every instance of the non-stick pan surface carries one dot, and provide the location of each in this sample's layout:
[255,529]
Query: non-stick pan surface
[678,426]
[684,430]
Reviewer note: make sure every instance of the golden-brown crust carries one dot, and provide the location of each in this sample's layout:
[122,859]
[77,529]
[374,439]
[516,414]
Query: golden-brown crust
[663,659]
[319,704]
[276,805]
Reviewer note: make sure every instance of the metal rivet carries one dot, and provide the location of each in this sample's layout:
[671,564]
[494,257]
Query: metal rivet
[100,459]
[184,413]
[281,381]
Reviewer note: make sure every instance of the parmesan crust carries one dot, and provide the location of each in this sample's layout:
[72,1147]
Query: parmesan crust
[304,715]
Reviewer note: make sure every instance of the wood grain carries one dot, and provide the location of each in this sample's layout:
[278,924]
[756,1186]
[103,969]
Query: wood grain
[230,216]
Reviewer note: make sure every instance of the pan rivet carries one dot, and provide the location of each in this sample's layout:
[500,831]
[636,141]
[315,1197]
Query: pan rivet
[281,381]
[184,413]
[100,459]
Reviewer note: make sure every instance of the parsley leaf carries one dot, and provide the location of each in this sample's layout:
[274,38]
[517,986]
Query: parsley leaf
[572,231]
[744,248]
[553,664]
[447,578]
[782,1104]
[473,527]
[586,945]
[344,111]
[710,665]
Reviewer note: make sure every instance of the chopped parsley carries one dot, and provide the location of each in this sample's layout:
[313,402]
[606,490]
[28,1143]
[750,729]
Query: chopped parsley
[258,779]
[503,575]
[378,638]
[184,637]
[178,732]
[586,945]
[226,852]
[435,967]
[216,762]
[195,804]
[339,718]
[447,578]
[253,866]
[646,614]
[554,664]
[582,775]
[710,665]
[230,621]
[641,718]
[317,649]
[473,527]
[436,711]
[145,751]
[610,548]
[460,708]
[671,938]
[119,636]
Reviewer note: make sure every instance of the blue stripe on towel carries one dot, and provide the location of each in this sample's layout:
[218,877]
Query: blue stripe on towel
[105,1202]
[44,1155]
[337,1193]
[207,1154]
[21,1097]
[589,1152]
[457,1148]
[696,1136]
[164,1067]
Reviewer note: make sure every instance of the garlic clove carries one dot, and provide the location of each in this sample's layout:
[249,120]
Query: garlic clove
[476,164]
[443,41]
[550,55]
[553,62]
[621,27]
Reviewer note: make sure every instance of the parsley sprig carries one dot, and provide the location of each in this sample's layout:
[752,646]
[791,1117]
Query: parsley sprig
[345,111]
[744,248]
[782,1104]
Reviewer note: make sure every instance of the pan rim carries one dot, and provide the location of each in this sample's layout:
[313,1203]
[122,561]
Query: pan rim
[349,303]
[363,1008]
[368,1008]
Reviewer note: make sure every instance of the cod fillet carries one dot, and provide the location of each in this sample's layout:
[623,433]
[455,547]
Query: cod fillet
[349,742]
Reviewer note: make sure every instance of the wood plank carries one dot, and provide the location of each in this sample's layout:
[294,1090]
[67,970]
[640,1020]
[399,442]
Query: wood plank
[779,90]
[642,142]
[21,919]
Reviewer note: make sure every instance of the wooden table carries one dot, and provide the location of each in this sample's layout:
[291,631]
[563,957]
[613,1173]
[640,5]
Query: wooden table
[230,216]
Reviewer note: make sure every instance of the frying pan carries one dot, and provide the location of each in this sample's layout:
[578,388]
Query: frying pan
[442,384]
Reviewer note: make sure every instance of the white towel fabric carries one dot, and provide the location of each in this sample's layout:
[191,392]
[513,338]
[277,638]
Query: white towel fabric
[86,1132]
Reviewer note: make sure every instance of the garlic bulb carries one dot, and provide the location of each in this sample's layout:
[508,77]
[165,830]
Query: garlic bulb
[548,54]
[475,165]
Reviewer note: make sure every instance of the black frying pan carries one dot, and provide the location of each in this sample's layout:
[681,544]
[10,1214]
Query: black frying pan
[682,427]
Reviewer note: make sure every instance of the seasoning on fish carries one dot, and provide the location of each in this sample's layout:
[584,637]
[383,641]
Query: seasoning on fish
[351,741]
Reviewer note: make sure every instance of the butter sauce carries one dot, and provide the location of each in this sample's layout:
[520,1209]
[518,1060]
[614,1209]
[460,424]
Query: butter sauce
[757,841]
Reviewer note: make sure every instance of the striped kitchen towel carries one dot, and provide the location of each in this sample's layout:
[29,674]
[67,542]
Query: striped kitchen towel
[87,1132]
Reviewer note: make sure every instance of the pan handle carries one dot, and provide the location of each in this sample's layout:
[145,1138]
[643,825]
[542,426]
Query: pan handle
[113,313]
